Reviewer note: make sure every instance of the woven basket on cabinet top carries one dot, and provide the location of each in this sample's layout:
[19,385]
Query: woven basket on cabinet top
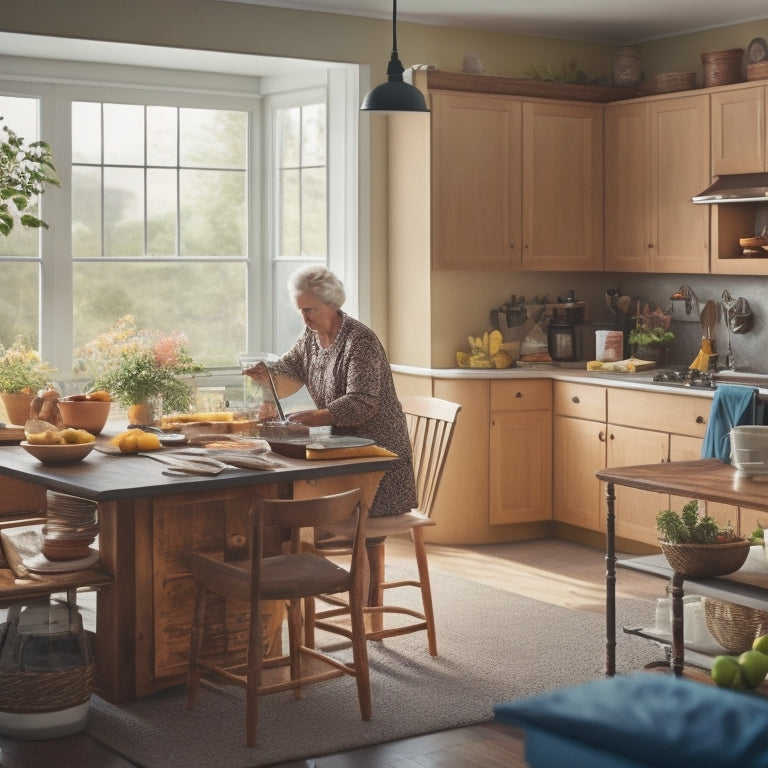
[705,561]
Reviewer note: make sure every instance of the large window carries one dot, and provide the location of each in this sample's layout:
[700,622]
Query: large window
[184,207]
[160,224]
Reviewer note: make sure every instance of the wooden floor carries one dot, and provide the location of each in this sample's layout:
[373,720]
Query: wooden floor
[568,575]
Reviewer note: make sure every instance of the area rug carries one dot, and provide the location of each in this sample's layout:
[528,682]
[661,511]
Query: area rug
[493,646]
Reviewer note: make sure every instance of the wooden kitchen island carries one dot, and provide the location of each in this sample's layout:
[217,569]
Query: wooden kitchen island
[149,522]
[705,479]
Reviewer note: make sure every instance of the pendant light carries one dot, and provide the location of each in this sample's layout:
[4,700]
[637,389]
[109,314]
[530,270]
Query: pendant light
[395,95]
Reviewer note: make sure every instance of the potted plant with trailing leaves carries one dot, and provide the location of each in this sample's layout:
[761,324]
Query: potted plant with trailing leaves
[696,546]
[25,170]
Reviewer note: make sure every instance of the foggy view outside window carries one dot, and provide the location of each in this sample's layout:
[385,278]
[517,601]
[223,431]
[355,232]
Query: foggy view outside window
[20,251]
[159,223]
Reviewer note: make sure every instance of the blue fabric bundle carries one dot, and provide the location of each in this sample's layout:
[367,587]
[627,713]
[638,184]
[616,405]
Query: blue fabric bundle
[644,719]
[731,407]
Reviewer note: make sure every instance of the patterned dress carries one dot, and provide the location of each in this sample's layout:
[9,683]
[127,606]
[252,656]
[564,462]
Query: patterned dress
[352,378]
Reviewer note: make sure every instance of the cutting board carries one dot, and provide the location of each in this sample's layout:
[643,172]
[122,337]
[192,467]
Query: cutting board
[10,435]
[296,447]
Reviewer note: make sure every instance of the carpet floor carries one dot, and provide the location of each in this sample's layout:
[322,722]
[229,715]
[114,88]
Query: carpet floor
[493,646]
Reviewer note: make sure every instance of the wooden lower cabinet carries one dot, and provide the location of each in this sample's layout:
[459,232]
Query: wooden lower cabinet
[579,452]
[497,481]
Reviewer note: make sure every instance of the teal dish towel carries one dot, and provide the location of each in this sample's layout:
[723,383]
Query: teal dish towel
[731,407]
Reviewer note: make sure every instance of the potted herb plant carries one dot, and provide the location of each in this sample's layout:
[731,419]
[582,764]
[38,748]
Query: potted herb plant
[25,169]
[696,546]
[650,342]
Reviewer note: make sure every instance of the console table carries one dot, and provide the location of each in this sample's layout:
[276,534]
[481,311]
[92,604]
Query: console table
[705,479]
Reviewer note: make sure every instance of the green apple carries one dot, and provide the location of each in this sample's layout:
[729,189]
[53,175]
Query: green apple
[726,672]
[761,644]
[754,667]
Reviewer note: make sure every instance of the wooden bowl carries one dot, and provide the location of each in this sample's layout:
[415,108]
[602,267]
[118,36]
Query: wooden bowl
[90,415]
[58,454]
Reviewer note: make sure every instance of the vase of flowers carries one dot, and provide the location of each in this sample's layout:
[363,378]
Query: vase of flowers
[22,374]
[143,370]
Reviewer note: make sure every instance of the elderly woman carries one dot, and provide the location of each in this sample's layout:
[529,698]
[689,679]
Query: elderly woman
[345,369]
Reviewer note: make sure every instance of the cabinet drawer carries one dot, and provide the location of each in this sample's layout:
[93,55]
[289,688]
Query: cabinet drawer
[521,395]
[675,414]
[581,401]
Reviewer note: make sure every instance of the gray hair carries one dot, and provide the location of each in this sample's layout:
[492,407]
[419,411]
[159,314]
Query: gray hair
[320,283]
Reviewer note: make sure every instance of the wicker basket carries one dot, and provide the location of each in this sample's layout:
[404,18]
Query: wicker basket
[734,626]
[758,70]
[722,67]
[669,82]
[705,561]
[31,687]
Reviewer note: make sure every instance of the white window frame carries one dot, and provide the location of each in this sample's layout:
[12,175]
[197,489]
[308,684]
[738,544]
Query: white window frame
[57,83]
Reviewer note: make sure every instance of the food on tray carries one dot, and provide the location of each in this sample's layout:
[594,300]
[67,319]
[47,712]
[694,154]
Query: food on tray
[630,365]
[173,420]
[135,440]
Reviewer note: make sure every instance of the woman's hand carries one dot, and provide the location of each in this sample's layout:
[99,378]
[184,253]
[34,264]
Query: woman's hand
[259,373]
[319,418]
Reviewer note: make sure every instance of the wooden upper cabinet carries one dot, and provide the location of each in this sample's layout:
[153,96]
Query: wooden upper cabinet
[739,131]
[627,196]
[657,158]
[476,181]
[680,168]
[562,186]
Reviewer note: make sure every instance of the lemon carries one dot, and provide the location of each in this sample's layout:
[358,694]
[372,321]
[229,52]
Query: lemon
[761,644]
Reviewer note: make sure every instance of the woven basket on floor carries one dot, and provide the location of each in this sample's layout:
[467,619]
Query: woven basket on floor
[68,680]
[734,626]
[705,561]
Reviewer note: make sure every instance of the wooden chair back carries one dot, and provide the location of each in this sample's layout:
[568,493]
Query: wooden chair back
[430,427]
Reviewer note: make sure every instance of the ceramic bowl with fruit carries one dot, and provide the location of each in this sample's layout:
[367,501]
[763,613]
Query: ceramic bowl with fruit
[64,453]
[89,412]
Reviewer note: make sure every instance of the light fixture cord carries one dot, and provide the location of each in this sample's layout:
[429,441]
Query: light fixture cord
[395,68]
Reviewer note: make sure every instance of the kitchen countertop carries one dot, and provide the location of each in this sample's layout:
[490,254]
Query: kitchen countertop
[640,381]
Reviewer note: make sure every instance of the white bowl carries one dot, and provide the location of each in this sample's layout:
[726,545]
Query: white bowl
[58,454]
[749,449]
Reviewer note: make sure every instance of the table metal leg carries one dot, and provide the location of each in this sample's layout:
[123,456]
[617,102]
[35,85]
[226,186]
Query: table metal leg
[678,630]
[610,583]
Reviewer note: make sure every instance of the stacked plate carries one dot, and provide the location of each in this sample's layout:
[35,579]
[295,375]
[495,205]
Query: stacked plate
[71,527]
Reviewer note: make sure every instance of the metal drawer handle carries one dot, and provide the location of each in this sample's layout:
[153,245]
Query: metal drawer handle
[519,394]
[575,399]
[699,419]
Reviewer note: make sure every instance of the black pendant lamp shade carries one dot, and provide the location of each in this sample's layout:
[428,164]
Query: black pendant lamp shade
[395,95]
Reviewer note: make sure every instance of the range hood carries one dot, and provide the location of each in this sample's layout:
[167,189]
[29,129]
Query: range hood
[737,188]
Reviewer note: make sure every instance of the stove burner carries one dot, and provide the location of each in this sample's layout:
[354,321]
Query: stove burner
[685,378]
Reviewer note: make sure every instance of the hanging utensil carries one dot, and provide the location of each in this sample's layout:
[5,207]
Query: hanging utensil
[708,319]
[728,304]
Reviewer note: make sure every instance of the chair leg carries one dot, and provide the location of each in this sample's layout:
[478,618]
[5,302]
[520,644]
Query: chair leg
[253,673]
[294,642]
[360,655]
[426,588]
[309,622]
[195,645]
[376,575]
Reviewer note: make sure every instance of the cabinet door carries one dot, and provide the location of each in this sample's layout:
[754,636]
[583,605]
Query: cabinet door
[636,510]
[476,182]
[520,466]
[562,186]
[679,168]
[738,131]
[627,197]
[579,452]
